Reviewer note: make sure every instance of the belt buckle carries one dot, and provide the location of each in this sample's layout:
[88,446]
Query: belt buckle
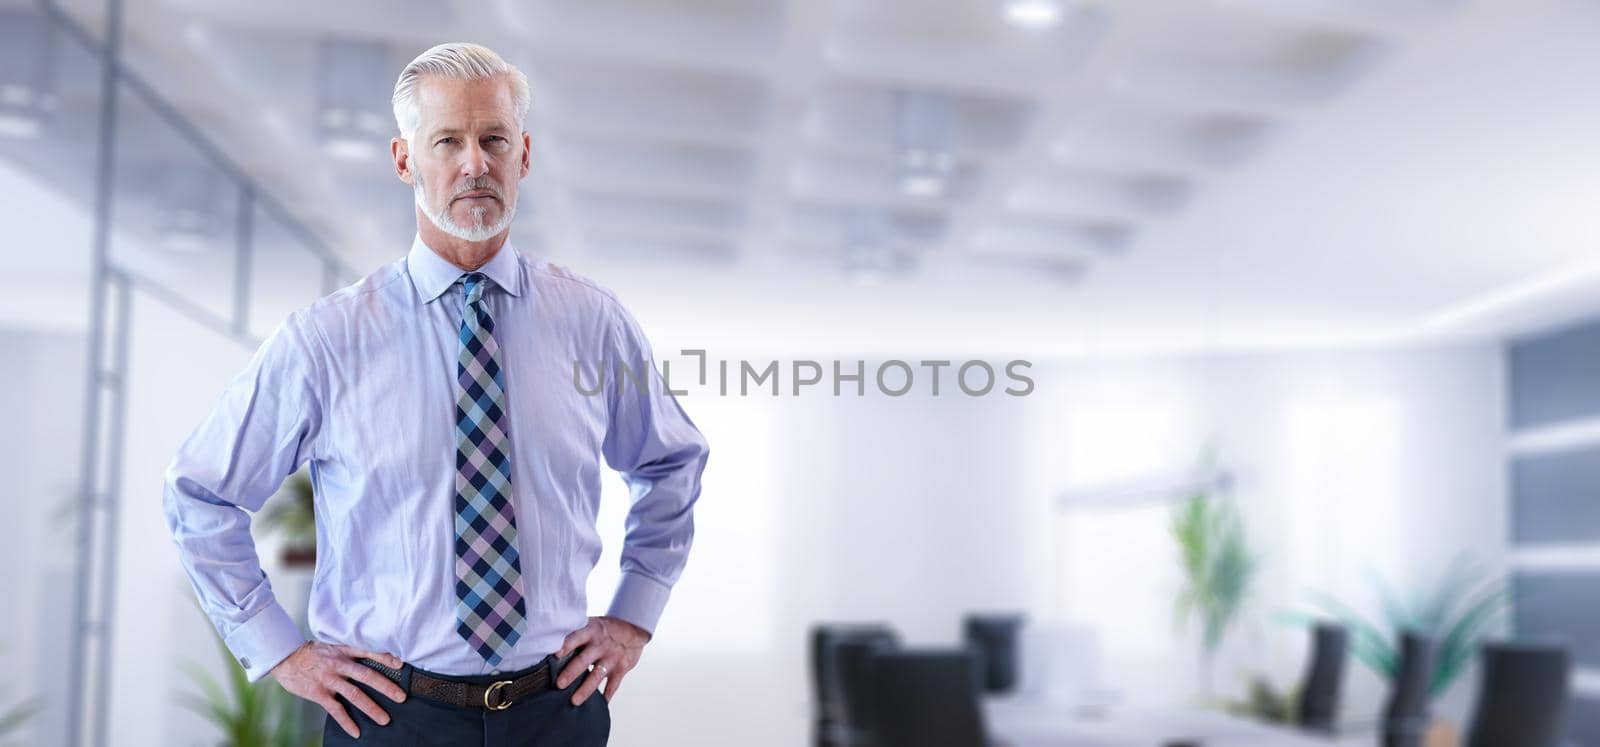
[493,703]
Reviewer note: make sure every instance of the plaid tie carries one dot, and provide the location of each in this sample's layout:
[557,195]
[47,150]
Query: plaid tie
[489,598]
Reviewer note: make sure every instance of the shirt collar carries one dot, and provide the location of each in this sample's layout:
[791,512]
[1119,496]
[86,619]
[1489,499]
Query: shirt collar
[432,274]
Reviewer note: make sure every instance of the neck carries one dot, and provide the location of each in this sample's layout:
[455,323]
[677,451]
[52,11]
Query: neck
[467,255]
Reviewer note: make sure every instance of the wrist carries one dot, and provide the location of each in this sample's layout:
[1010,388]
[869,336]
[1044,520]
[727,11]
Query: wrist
[276,668]
[630,630]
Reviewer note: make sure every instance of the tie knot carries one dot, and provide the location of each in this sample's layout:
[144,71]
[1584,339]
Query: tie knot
[474,286]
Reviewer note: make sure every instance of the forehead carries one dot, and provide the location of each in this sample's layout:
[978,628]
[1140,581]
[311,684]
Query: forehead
[449,102]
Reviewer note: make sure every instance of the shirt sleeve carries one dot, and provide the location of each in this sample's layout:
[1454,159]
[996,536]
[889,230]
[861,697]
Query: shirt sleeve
[661,456]
[263,428]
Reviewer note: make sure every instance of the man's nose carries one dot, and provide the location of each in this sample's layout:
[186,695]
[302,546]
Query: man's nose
[474,164]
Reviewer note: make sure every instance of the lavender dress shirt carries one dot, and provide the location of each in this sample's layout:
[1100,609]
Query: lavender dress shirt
[361,385]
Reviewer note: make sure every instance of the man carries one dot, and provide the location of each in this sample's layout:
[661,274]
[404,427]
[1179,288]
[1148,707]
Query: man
[455,458]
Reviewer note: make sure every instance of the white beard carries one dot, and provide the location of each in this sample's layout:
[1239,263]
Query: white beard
[445,222]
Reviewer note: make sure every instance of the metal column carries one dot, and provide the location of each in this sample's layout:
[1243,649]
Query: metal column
[111,290]
[97,494]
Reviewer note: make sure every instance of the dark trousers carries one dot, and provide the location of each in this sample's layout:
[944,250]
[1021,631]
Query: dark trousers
[544,719]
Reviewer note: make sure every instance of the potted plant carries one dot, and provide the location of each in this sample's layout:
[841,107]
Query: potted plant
[260,714]
[1457,613]
[13,718]
[1218,571]
[1264,702]
[293,515]
[16,717]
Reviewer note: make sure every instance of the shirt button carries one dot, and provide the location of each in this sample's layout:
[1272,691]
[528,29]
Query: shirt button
[245,662]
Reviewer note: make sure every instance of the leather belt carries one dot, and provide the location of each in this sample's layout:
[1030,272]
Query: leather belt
[494,696]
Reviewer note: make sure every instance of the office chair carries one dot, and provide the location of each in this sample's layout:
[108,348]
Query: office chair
[994,638]
[859,713]
[1319,696]
[829,725]
[929,698]
[1405,717]
[1523,698]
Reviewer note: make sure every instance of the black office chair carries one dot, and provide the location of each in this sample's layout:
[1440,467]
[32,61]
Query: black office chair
[856,665]
[929,699]
[994,638]
[1405,717]
[1523,698]
[829,725]
[1319,694]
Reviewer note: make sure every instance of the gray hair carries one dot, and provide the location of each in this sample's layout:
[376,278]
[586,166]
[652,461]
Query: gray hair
[460,61]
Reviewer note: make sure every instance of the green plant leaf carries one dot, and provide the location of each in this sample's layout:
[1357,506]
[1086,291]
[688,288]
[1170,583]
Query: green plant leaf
[215,712]
[1460,643]
[1435,614]
[1370,645]
[1456,613]
[1264,702]
[246,714]
[1297,618]
[294,515]
[18,715]
[1217,565]
[208,684]
[1394,611]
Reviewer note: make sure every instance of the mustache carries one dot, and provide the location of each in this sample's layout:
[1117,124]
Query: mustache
[481,183]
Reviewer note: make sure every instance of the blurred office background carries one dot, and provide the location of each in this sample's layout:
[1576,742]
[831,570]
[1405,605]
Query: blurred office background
[1314,280]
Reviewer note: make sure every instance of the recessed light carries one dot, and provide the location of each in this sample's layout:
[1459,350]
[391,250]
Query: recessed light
[174,242]
[350,149]
[1033,14]
[923,172]
[19,126]
[922,185]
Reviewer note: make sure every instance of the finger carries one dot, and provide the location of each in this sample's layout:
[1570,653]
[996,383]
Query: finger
[580,663]
[340,716]
[370,677]
[591,682]
[389,660]
[359,698]
[575,639]
[613,681]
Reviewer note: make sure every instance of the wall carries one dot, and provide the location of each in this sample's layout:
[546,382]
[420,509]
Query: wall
[1554,417]
[914,510]
[41,393]
[910,510]
[1346,465]
[177,370]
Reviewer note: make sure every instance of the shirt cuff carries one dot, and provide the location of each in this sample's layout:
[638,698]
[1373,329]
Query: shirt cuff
[264,640]
[639,600]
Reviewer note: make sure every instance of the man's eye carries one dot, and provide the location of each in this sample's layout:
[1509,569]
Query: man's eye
[444,140]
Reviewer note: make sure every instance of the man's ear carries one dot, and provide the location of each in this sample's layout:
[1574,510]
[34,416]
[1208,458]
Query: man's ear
[399,149]
[527,154]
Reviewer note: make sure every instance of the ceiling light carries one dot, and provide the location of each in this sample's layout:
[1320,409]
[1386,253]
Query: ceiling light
[188,230]
[190,202]
[924,172]
[922,185]
[924,123]
[1033,14]
[350,149]
[873,251]
[27,74]
[185,243]
[19,125]
[868,264]
[197,35]
[354,124]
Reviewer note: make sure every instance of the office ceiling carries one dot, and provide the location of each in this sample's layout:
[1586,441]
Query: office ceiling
[934,175]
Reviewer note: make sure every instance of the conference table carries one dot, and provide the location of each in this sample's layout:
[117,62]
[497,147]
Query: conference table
[1037,723]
